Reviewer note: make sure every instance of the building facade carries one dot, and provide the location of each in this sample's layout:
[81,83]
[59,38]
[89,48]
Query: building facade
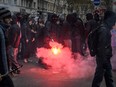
[22,6]
[52,6]
[34,6]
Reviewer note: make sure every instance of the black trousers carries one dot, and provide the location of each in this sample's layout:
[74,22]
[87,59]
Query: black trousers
[103,69]
[6,82]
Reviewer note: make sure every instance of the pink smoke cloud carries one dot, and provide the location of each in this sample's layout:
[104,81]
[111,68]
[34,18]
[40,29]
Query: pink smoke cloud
[82,67]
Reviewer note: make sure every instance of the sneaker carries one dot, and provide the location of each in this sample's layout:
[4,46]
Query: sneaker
[17,71]
[25,61]
[43,65]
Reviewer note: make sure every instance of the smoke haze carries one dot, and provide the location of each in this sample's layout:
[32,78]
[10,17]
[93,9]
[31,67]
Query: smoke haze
[81,67]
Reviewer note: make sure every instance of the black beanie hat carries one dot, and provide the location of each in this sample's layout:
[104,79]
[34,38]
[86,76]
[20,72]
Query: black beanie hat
[4,13]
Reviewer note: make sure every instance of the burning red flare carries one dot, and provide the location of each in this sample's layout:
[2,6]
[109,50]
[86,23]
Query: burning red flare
[56,50]
[56,47]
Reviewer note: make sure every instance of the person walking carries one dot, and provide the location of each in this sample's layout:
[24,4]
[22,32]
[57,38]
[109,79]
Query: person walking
[104,51]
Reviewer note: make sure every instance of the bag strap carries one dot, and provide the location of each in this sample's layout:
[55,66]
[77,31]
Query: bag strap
[94,30]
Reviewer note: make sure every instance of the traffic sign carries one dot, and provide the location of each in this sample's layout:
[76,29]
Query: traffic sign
[96,2]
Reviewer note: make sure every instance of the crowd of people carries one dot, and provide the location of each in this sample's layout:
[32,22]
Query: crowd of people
[20,35]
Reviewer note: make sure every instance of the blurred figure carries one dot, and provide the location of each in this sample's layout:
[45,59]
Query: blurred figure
[53,28]
[90,24]
[77,36]
[41,34]
[14,40]
[66,32]
[74,32]
[5,19]
[113,43]
[29,39]
[23,37]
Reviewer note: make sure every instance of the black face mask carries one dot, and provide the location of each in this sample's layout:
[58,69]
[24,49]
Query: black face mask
[54,20]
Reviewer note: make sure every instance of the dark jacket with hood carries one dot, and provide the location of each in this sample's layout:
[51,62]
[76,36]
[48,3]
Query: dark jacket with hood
[53,28]
[3,57]
[14,34]
[30,30]
[104,35]
[90,24]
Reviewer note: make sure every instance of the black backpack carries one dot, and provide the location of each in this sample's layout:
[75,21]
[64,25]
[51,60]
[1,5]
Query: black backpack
[92,41]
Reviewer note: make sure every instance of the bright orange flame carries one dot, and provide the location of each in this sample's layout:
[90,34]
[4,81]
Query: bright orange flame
[56,50]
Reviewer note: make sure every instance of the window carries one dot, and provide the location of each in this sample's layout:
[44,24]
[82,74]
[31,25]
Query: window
[1,1]
[21,2]
[5,1]
[15,2]
[27,4]
[34,4]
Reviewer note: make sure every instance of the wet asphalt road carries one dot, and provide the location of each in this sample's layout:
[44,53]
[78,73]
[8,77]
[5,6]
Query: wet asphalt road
[34,76]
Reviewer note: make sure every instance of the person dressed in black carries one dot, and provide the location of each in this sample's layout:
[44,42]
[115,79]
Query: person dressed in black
[5,19]
[30,39]
[14,37]
[53,27]
[104,51]
[77,36]
[90,24]
[41,33]
[42,40]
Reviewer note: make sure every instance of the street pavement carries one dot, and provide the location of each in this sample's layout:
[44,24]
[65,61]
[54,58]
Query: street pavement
[34,76]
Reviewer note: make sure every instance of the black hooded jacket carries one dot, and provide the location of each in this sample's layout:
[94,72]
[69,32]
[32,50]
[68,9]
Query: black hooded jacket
[104,35]
[14,34]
